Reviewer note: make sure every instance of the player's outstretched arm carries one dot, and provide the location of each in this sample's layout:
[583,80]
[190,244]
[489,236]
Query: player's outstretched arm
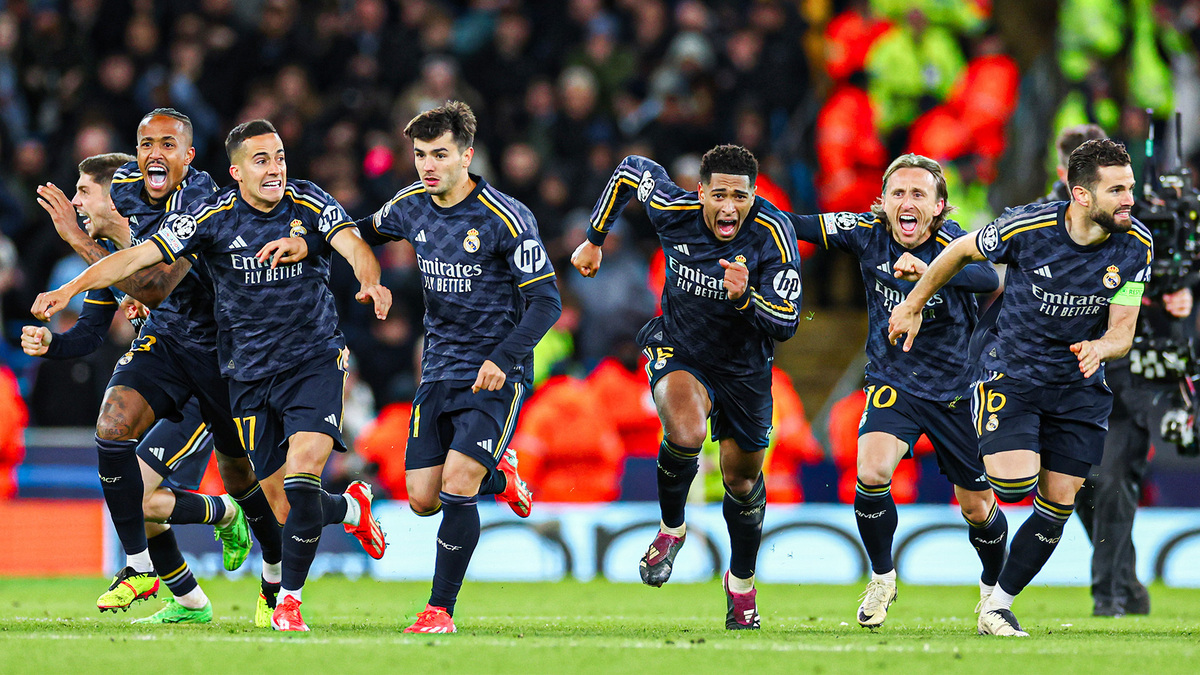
[84,337]
[107,272]
[349,243]
[906,316]
[587,258]
[150,286]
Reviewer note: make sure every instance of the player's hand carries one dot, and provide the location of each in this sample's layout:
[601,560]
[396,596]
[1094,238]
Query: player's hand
[133,310]
[378,294]
[47,304]
[909,267]
[905,320]
[490,377]
[35,340]
[1179,303]
[737,277]
[283,251]
[62,213]
[1089,357]
[587,258]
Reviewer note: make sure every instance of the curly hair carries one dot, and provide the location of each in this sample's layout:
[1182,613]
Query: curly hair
[733,160]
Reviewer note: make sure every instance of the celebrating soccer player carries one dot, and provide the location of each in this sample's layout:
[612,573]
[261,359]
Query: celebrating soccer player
[489,297]
[179,450]
[732,291]
[285,368]
[1076,273]
[924,391]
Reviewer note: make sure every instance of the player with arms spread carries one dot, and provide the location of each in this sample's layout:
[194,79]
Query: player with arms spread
[1076,273]
[489,297]
[924,391]
[286,368]
[732,291]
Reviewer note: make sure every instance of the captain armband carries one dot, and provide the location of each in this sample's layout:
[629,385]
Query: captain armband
[1130,295]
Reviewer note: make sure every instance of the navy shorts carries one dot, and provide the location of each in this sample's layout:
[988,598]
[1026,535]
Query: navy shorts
[179,451]
[948,424]
[168,375]
[741,406]
[307,397]
[447,416]
[1066,425]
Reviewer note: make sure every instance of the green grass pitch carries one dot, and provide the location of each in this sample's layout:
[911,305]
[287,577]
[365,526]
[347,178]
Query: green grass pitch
[52,626]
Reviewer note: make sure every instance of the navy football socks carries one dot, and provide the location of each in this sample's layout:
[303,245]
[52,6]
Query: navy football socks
[875,511]
[456,540]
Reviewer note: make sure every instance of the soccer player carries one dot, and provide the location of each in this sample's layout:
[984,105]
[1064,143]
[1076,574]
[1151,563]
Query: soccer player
[489,297]
[286,369]
[1076,273]
[172,361]
[732,291]
[178,450]
[924,391]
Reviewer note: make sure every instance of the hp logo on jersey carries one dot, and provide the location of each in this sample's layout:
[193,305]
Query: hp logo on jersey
[787,284]
[530,256]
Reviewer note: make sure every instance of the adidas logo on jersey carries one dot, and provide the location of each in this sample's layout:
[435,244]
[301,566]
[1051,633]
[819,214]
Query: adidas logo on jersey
[486,445]
[1044,271]
[237,242]
[332,419]
[421,236]
[884,267]
[682,248]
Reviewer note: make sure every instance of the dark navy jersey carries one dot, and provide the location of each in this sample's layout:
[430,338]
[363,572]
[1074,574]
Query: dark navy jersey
[937,368]
[476,259]
[733,337]
[270,319]
[187,313]
[89,330]
[1056,292]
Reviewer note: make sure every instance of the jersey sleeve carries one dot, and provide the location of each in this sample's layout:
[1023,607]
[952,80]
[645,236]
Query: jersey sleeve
[774,307]
[999,242]
[189,232]
[845,231]
[389,222]
[89,330]
[198,185]
[977,277]
[520,244]
[634,176]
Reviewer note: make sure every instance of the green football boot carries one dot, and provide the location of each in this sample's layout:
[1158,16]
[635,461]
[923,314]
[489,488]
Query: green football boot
[127,588]
[235,539]
[173,612]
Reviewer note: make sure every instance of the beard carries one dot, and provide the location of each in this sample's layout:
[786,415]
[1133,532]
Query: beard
[1108,221]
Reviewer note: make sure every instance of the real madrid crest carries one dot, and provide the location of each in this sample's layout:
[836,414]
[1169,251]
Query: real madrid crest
[992,422]
[660,363]
[125,359]
[471,243]
[297,229]
[740,259]
[1112,278]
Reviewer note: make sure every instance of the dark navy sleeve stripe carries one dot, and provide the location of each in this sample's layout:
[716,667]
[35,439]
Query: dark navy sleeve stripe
[787,244]
[622,177]
[162,246]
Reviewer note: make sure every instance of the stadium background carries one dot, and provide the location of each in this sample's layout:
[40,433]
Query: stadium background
[824,92]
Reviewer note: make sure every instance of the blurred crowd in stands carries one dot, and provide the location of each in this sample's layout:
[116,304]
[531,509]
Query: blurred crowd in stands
[824,92]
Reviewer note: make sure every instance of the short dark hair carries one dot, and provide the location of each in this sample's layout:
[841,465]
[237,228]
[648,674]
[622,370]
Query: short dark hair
[733,160]
[173,114]
[914,161]
[1083,167]
[245,130]
[454,116]
[101,168]
[1073,137]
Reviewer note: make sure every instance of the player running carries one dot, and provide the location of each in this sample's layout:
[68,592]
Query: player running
[924,391]
[489,297]
[1076,273]
[732,291]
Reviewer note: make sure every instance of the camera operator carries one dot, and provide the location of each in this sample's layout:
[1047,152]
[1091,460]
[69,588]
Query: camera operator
[1108,500]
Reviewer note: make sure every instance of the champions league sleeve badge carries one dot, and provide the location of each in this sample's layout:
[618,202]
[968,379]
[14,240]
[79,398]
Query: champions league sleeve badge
[989,238]
[471,243]
[1112,277]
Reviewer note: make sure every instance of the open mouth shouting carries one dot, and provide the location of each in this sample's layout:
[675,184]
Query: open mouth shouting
[156,177]
[727,227]
[908,224]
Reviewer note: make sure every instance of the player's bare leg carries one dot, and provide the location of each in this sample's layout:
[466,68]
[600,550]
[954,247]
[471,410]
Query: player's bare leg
[683,406]
[124,417]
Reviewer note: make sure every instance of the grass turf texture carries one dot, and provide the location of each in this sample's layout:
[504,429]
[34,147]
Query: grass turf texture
[569,627]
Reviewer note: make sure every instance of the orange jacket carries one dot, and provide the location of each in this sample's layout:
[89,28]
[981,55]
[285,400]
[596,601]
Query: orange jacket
[14,417]
[626,397]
